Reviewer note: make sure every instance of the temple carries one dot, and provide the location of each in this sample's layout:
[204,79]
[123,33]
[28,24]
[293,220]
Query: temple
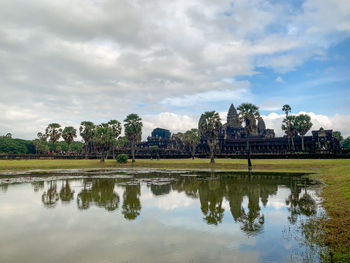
[234,138]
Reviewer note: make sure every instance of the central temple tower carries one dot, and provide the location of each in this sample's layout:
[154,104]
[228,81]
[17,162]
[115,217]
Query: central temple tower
[233,119]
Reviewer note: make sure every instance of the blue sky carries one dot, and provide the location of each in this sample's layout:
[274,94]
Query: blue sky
[70,61]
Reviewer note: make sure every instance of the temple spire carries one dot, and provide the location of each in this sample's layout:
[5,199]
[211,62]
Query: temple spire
[233,118]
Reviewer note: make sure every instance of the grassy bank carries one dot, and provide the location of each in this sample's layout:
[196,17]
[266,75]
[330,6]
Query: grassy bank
[334,173]
[290,165]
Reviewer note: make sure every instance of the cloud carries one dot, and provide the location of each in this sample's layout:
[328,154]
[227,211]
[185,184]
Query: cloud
[69,61]
[168,120]
[279,79]
[337,122]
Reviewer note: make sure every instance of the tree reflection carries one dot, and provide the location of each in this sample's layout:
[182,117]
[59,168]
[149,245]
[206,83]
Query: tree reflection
[99,192]
[211,196]
[300,205]
[50,197]
[252,221]
[161,189]
[131,203]
[66,193]
[38,185]
[4,187]
[84,198]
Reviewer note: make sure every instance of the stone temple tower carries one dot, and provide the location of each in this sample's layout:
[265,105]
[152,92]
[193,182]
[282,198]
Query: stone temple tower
[233,121]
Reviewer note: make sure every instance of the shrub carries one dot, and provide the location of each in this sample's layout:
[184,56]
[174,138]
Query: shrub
[122,158]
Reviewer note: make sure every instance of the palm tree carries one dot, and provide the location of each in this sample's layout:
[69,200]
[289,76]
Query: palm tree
[209,126]
[192,139]
[286,108]
[87,130]
[103,139]
[303,125]
[289,126]
[133,131]
[117,129]
[53,132]
[68,135]
[248,114]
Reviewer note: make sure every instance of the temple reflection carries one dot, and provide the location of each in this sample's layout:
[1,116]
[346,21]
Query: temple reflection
[244,195]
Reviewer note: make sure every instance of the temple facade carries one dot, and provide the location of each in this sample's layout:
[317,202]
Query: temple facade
[234,138]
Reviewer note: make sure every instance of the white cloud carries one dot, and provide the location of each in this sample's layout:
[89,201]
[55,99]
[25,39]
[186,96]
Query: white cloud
[279,79]
[337,122]
[69,61]
[168,120]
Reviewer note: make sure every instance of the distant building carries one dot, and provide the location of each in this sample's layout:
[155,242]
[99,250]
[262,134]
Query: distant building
[234,140]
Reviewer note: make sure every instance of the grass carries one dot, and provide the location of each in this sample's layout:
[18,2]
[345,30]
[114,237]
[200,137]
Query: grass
[335,173]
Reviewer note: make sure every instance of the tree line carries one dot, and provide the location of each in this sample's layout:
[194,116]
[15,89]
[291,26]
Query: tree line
[105,138]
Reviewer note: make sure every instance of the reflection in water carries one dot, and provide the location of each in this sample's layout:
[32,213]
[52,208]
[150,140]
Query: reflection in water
[99,192]
[66,193]
[228,210]
[210,191]
[131,203]
[50,197]
[38,186]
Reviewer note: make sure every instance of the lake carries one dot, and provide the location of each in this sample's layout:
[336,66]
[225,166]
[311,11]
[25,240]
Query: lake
[126,215]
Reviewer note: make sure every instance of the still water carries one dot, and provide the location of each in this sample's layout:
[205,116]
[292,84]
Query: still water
[147,216]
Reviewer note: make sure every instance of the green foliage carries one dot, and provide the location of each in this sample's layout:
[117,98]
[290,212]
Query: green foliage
[122,158]
[40,146]
[68,134]
[122,142]
[116,127]
[133,131]
[103,137]
[289,126]
[76,147]
[248,113]
[87,130]
[53,132]
[133,127]
[303,124]
[346,144]
[338,136]
[192,138]
[16,146]
[209,126]
[286,108]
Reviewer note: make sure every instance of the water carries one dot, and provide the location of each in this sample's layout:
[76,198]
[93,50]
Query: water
[144,216]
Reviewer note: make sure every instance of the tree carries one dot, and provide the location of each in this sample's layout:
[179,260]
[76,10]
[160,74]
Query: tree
[103,139]
[288,125]
[8,135]
[209,127]
[192,138]
[337,135]
[286,108]
[53,132]
[42,136]
[40,146]
[117,129]
[122,142]
[303,125]
[346,144]
[87,130]
[248,114]
[68,135]
[40,143]
[133,131]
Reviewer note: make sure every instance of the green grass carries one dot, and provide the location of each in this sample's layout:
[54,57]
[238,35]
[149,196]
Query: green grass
[335,173]
[280,165]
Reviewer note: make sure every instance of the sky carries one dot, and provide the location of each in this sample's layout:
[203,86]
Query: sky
[69,61]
